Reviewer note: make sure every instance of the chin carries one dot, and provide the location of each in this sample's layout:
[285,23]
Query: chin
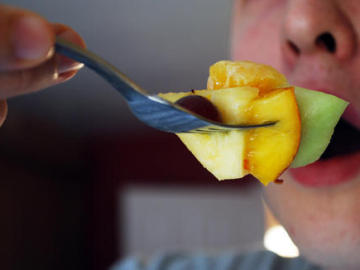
[324,222]
[333,258]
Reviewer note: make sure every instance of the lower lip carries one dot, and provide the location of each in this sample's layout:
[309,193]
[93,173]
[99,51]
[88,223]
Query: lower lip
[331,172]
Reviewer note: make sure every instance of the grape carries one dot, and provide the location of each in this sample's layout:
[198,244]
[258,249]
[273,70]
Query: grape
[200,106]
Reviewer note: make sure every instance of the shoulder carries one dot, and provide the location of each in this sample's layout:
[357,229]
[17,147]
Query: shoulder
[261,260]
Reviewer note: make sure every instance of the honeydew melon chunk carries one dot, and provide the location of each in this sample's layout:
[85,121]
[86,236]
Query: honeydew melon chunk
[319,113]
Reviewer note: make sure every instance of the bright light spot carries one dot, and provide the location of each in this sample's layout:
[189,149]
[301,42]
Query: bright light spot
[278,241]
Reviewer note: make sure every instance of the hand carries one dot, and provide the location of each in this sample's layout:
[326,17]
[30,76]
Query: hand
[27,59]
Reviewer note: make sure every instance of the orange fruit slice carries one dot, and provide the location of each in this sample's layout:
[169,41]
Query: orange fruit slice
[227,74]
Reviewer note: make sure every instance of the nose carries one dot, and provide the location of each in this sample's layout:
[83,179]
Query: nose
[312,27]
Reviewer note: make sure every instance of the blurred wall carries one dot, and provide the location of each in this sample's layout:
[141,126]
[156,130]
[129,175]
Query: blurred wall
[194,219]
[163,45]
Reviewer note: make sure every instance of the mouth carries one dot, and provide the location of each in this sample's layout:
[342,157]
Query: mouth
[338,164]
[345,141]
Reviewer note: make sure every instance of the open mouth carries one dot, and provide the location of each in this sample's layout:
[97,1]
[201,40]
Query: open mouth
[345,140]
[339,163]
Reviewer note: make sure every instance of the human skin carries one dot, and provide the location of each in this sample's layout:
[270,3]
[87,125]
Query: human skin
[28,62]
[323,220]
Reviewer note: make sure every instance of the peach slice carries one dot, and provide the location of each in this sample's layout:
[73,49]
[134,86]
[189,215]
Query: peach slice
[271,150]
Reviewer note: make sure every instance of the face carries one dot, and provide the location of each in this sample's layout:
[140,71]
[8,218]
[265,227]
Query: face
[316,45]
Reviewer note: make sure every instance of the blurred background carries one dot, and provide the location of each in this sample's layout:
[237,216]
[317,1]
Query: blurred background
[83,183]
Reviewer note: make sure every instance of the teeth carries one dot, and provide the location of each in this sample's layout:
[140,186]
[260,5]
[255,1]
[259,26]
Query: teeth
[345,140]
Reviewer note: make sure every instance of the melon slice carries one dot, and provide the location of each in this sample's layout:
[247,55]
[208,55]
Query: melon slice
[319,114]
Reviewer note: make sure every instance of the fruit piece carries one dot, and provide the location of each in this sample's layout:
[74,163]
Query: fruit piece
[226,74]
[271,150]
[259,94]
[199,105]
[319,113]
[233,154]
[222,154]
[230,102]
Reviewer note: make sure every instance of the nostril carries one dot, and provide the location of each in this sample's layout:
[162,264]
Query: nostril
[326,40]
[293,47]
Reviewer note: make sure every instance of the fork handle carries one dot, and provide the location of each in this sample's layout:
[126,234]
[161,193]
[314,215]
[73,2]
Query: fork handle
[116,78]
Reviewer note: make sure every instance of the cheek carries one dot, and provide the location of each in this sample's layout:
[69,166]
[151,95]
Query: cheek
[258,39]
[353,93]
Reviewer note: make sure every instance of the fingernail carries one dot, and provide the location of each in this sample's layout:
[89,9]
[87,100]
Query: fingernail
[31,38]
[66,76]
[65,64]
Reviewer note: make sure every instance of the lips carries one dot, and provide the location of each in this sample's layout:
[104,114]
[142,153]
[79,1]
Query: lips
[339,163]
[345,140]
[328,172]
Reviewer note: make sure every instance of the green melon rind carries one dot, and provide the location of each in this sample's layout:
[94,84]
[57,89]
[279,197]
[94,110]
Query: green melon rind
[319,114]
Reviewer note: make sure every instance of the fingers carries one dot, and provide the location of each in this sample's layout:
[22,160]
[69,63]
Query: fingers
[24,81]
[27,57]
[65,64]
[50,71]
[3,111]
[26,39]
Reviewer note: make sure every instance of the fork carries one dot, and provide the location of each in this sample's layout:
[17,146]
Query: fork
[150,109]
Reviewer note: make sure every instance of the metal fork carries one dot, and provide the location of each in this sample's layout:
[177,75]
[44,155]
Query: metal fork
[150,109]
